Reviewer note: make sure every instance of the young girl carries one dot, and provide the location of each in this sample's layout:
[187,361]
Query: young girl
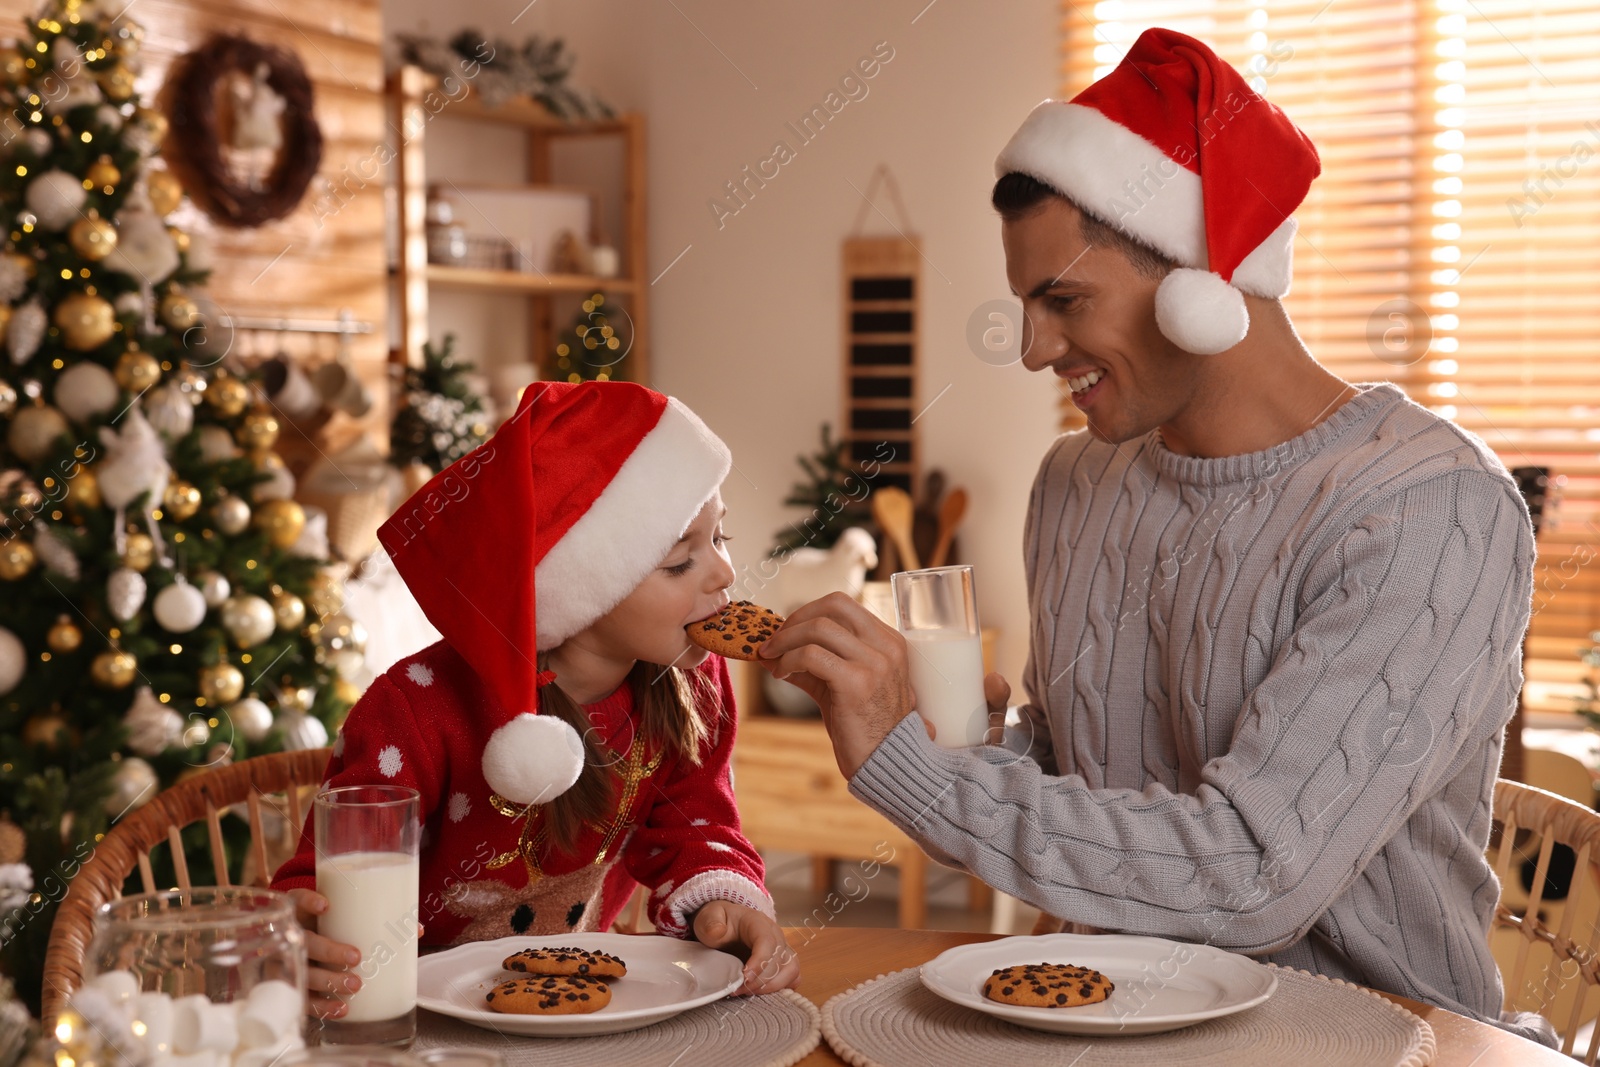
[567,739]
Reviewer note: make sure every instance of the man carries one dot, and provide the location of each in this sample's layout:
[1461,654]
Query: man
[1276,617]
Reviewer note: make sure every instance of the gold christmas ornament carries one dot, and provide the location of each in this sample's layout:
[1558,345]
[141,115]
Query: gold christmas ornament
[93,237]
[85,321]
[221,684]
[16,559]
[258,431]
[5,324]
[178,311]
[64,636]
[103,172]
[113,669]
[288,609]
[346,691]
[83,489]
[46,729]
[141,552]
[231,514]
[326,594]
[227,396]
[137,371]
[281,521]
[179,238]
[152,120]
[8,392]
[117,83]
[164,191]
[34,431]
[181,501]
[13,68]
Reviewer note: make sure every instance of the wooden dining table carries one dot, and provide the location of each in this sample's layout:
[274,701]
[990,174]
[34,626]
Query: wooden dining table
[836,958]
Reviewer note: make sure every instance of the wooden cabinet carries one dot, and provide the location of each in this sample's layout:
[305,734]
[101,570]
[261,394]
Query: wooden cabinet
[417,101]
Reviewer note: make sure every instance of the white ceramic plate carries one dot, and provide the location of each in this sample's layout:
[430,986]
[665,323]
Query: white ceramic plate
[1160,984]
[665,976]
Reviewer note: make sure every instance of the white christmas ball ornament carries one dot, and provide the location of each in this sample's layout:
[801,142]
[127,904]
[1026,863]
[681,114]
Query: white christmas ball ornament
[217,445]
[533,759]
[38,141]
[133,784]
[279,485]
[215,588]
[109,117]
[1199,312]
[180,607]
[56,197]
[13,660]
[168,410]
[231,515]
[302,731]
[129,303]
[248,619]
[85,390]
[153,727]
[251,717]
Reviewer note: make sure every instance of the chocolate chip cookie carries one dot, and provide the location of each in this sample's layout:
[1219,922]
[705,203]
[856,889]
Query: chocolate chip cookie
[1047,985]
[549,994]
[564,961]
[738,631]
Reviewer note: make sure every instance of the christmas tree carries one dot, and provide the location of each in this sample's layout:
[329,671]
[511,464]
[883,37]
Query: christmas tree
[159,611]
[442,418]
[831,492]
[592,347]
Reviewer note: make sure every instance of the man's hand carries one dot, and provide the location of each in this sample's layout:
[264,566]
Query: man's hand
[853,665]
[996,694]
[771,964]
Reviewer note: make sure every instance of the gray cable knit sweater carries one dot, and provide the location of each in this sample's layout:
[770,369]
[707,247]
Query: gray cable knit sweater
[1266,698]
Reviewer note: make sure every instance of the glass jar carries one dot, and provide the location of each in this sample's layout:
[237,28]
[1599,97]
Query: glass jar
[213,973]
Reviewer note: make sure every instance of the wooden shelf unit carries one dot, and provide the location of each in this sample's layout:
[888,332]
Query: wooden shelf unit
[412,93]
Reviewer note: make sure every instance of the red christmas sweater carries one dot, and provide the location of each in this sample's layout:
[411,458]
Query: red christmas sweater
[485,872]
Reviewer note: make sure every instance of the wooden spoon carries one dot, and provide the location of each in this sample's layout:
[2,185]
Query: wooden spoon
[891,506]
[951,512]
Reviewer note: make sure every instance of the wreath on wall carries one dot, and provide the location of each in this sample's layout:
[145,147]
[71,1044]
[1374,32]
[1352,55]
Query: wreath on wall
[250,162]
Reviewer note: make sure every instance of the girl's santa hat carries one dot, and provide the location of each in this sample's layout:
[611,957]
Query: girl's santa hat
[540,531]
[1174,149]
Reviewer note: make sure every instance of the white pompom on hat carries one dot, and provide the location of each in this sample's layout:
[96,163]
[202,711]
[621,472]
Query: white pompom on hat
[540,531]
[1176,150]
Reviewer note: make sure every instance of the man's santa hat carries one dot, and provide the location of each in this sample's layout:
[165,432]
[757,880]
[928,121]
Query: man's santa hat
[540,531]
[1174,149]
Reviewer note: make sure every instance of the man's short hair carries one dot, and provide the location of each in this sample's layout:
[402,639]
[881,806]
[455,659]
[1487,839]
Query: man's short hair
[1017,195]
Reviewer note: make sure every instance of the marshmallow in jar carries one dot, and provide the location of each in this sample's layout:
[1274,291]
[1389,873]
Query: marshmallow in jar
[205,977]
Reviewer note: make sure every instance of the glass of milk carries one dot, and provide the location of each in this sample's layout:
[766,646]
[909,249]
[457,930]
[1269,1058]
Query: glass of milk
[368,868]
[937,613]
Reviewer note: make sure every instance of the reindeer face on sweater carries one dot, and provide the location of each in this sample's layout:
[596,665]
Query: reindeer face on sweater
[552,904]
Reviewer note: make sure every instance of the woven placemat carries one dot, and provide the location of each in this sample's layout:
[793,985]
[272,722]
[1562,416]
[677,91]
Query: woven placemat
[775,1030]
[894,1020]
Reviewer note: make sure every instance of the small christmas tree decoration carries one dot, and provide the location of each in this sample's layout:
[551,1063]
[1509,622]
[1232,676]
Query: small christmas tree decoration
[221,683]
[443,416]
[114,669]
[64,636]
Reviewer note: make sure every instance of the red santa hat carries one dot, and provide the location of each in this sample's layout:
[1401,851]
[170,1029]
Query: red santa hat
[540,531]
[1175,149]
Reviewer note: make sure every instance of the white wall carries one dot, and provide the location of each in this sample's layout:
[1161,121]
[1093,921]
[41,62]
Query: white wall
[747,323]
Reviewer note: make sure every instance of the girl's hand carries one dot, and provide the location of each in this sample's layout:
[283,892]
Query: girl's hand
[770,965]
[338,961]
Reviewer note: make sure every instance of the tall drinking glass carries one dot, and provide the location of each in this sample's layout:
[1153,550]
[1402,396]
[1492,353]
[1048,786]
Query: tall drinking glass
[937,613]
[368,868]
